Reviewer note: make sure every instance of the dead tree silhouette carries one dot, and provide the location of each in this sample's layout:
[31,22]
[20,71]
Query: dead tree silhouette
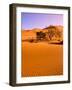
[40,35]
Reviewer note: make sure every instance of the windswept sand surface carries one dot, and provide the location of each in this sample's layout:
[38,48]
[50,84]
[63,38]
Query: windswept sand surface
[41,59]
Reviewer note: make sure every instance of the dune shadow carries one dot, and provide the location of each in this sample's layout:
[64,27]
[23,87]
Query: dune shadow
[38,41]
[60,43]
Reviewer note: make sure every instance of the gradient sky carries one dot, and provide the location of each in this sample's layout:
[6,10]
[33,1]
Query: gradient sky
[38,20]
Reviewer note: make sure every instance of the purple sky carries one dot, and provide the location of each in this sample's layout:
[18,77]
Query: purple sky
[38,20]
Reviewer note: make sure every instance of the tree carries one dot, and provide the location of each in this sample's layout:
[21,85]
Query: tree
[51,33]
[40,35]
[59,35]
[54,33]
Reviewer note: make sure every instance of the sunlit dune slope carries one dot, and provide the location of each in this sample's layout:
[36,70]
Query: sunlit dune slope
[29,34]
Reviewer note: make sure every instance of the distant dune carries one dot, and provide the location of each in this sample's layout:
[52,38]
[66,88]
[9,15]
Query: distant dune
[56,30]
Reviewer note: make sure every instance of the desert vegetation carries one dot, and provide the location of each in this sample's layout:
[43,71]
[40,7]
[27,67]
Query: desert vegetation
[51,34]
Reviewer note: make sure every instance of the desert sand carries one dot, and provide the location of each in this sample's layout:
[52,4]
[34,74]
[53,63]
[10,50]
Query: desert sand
[40,58]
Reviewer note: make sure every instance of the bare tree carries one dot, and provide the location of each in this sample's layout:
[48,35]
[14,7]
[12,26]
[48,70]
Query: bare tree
[53,32]
[40,35]
[50,33]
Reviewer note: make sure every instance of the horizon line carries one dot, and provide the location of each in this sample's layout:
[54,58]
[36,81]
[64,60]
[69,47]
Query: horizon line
[41,28]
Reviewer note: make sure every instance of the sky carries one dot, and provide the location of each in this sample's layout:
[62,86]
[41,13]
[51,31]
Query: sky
[38,20]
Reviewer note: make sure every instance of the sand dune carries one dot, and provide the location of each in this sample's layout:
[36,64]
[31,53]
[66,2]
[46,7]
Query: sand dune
[31,34]
[41,59]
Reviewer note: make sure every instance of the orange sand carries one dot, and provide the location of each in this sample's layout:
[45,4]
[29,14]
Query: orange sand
[41,59]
